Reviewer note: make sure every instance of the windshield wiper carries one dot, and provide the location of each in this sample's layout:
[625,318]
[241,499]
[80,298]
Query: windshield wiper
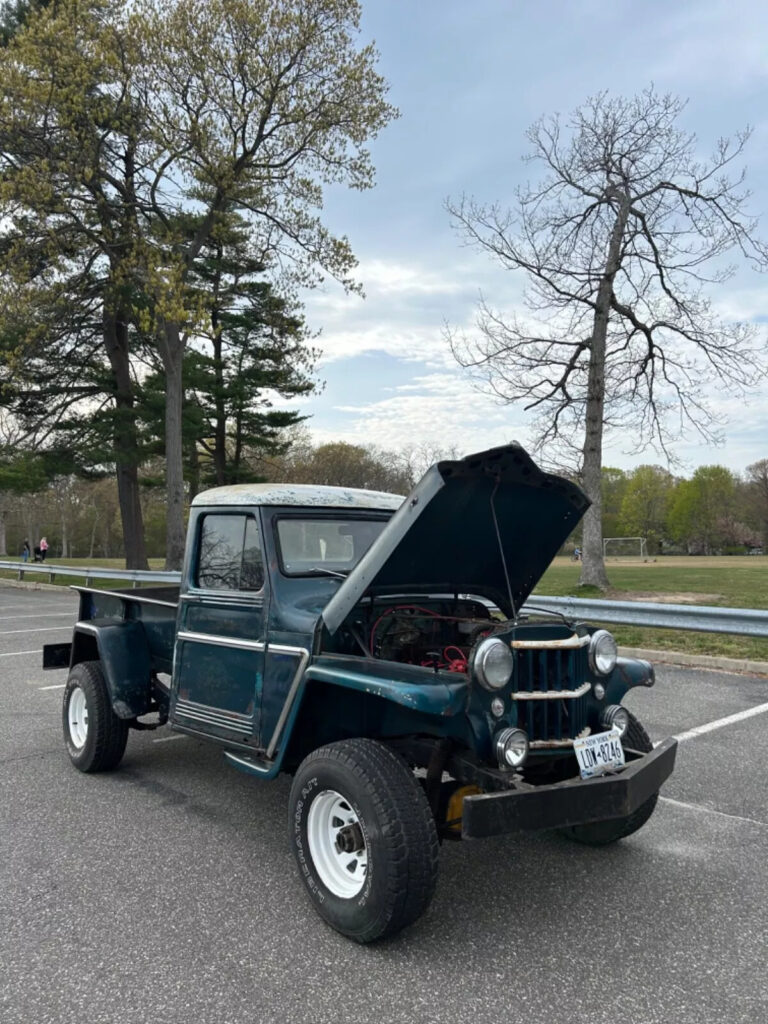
[320,569]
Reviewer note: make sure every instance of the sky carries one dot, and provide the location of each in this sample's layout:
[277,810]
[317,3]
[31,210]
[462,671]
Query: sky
[468,79]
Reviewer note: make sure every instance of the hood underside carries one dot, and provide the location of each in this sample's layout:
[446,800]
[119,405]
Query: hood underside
[443,538]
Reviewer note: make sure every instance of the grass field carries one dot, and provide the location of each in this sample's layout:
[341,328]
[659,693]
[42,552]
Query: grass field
[735,582]
[730,582]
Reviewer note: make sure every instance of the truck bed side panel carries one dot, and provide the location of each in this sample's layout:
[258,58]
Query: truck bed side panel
[125,660]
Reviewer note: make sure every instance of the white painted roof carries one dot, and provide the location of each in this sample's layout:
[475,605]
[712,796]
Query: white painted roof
[297,494]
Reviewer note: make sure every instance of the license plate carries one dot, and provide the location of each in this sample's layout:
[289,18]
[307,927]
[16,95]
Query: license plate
[599,753]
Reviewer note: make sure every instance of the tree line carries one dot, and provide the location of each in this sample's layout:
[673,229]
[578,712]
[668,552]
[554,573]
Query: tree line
[162,172]
[80,517]
[713,511]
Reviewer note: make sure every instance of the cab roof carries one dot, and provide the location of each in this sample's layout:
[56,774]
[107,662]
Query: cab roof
[298,494]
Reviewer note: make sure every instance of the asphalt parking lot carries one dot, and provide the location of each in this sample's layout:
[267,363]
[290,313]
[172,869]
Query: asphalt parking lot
[165,892]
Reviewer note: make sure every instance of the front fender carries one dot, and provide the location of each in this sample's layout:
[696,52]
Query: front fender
[444,697]
[629,672]
[123,652]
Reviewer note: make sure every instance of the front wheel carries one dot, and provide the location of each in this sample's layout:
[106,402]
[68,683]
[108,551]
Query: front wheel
[601,833]
[94,736]
[364,839]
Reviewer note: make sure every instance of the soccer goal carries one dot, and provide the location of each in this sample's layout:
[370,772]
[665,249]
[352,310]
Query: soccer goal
[632,548]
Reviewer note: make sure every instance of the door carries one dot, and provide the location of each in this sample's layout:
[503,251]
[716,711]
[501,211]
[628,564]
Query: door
[219,658]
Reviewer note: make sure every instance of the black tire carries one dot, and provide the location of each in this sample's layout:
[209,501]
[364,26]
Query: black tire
[97,742]
[601,833]
[393,826]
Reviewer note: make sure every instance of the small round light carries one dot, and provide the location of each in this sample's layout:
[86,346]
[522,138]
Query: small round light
[599,690]
[602,652]
[497,707]
[493,663]
[615,717]
[511,748]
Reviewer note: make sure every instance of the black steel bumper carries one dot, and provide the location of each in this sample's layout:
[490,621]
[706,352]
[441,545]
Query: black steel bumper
[575,802]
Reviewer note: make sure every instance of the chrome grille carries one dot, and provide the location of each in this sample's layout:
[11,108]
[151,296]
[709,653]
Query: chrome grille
[549,671]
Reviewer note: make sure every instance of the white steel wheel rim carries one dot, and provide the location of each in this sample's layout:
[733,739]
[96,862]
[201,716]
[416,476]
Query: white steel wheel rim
[337,844]
[77,716]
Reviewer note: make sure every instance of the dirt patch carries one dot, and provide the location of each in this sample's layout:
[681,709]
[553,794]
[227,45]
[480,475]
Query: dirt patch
[684,597]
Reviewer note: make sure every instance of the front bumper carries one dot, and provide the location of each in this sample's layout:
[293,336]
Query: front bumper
[574,802]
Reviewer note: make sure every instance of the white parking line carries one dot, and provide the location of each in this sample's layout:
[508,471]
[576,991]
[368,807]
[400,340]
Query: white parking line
[50,615]
[167,739]
[15,654]
[710,810]
[56,686]
[700,730]
[37,629]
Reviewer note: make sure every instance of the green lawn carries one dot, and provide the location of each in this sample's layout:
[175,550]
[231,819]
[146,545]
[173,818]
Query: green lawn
[737,582]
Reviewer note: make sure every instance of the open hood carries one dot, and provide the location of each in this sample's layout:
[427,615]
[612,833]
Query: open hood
[442,539]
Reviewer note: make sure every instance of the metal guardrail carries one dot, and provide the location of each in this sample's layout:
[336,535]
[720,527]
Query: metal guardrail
[134,576]
[698,618]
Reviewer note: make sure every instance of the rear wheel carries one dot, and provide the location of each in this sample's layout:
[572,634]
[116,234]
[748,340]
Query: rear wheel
[364,839]
[94,736]
[601,833]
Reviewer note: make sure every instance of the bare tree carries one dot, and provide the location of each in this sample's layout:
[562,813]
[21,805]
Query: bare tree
[622,241]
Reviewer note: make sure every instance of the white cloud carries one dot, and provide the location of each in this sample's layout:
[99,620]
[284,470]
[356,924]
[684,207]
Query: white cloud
[439,409]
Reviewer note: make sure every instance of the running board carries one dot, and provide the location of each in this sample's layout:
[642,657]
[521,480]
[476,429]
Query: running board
[251,766]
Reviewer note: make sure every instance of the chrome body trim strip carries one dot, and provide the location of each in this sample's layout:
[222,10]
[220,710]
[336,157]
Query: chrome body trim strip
[238,727]
[568,643]
[191,709]
[551,694]
[221,641]
[303,654]
[556,744]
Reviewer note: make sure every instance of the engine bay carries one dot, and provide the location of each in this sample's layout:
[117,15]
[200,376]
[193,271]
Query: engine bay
[432,633]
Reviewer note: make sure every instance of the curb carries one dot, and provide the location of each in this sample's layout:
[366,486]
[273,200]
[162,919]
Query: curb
[714,663]
[32,585]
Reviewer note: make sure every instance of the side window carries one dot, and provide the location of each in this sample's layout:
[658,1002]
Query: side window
[230,554]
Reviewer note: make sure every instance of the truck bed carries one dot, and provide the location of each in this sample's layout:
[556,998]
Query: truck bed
[154,607]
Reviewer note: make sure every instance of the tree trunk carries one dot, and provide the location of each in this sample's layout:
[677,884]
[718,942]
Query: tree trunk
[3,550]
[220,426]
[125,442]
[593,564]
[171,347]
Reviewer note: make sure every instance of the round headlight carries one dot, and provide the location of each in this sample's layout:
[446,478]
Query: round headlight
[615,717]
[602,652]
[493,663]
[511,748]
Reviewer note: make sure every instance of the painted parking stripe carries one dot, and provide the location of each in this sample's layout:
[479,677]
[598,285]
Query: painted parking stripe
[49,615]
[15,654]
[37,629]
[719,723]
[711,810]
[56,686]
[167,739]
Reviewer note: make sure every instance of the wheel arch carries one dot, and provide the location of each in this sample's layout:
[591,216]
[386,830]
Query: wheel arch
[122,650]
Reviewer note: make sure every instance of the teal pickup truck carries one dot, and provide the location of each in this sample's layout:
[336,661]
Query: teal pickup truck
[377,649]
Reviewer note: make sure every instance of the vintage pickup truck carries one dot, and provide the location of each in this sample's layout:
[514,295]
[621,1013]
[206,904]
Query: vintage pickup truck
[377,648]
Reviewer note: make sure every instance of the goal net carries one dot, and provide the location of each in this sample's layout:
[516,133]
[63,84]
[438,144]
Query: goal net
[626,548]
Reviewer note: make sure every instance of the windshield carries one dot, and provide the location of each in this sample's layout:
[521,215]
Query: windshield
[320,546]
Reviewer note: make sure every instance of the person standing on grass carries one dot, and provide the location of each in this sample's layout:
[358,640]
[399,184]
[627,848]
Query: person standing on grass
[25,551]
[43,548]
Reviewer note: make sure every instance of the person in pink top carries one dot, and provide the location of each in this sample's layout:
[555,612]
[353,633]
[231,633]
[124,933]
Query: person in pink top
[43,548]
